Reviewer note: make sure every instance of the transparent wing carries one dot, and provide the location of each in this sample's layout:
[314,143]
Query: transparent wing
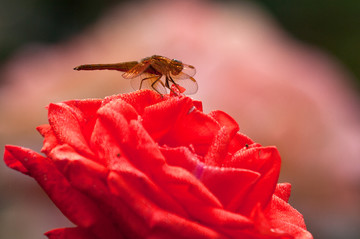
[159,86]
[188,70]
[137,70]
[146,81]
[186,81]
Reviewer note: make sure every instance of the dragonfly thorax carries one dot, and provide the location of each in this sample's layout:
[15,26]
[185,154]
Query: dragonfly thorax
[176,66]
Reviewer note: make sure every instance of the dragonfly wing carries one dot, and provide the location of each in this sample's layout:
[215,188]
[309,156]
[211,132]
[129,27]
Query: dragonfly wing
[146,81]
[186,81]
[137,82]
[159,86]
[137,70]
[188,70]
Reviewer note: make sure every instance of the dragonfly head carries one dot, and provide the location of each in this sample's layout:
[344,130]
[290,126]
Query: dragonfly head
[176,66]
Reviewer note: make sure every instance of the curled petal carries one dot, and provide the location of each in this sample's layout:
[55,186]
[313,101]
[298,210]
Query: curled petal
[266,161]
[222,183]
[76,206]
[196,129]
[91,179]
[178,182]
[161,223]
[160,118]
[227,184]
[65,122]
[283,191]
[102,140]
[138,99]
[198,105]
[224,119]
[85,174]
[118,107]
[218,150]
[86,113]
[286,218]
[171,226]
[50,140]
[12,161]
[239,141]
[264,227]
[70,233]
[184,158]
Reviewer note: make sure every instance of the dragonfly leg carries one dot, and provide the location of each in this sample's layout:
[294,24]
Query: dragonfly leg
[168,86]
[144,80]
[176,85]
[152,85]
[167,82]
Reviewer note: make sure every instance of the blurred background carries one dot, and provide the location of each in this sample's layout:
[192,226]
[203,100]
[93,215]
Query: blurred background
[287,71]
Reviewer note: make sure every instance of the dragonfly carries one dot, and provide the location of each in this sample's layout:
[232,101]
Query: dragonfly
[155,72]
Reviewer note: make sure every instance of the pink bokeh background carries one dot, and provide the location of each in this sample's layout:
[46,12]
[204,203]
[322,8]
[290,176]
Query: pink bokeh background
[280,91]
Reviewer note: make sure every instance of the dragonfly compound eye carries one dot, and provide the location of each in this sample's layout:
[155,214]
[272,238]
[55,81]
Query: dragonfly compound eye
[176,66]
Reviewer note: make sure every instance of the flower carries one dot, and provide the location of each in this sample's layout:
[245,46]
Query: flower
[139,165]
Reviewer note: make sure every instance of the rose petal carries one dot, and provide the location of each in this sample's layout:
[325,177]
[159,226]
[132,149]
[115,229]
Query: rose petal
[196,129]
[145,156]
[70,233]
[91,179]
[108,146]
[136,202]
[239,141]
[217,154]
[162,223]
[218,218]
[142,183]
[266,161]
[13,162]
[283,191]
[281,212]
[184,158]
[133,176]
[224,119]
[227,184]
[64,155]
[50,140]
[292,230]
[138,99]
[86,109]
[160,118]
[198,105]
[111,126]
[263,226]
[119,106]
[218,150]
[73,204]
[64,121]
[101,137]
[169,226]
[178,182]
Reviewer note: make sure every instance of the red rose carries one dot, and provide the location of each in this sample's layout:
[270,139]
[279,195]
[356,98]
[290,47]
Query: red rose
[141,166]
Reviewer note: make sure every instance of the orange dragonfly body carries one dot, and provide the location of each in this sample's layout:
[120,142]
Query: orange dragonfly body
[148,73]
